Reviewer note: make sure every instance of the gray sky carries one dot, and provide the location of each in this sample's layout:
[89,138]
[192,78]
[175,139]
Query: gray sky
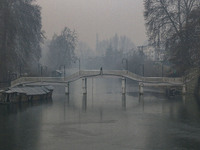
[88,17]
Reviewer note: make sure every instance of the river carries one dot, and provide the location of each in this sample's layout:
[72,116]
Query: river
[102,120]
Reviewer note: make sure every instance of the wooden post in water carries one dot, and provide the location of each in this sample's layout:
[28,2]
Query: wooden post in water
[84,85]
[123,85]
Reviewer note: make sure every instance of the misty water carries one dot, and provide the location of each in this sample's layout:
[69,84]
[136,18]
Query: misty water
[102,120]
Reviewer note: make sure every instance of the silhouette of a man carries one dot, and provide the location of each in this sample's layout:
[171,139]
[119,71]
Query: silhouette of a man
[101,70]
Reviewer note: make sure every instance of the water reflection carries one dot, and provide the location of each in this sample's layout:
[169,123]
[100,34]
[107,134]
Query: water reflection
[84,102]
[21,107]
[183,98]
[141,98]
[141,101]
[67,99]
[101,114]
[124,101]
[20,125]
[66,103]
[73,121]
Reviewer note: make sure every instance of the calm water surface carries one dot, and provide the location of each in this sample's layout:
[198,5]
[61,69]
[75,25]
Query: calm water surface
[102,120]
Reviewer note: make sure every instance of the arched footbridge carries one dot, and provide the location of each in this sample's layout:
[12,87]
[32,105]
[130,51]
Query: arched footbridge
[84,74]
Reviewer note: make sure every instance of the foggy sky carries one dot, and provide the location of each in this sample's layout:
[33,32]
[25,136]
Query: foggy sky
[88,17]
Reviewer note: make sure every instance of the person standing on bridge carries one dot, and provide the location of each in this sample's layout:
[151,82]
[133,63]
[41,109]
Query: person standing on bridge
[101,71]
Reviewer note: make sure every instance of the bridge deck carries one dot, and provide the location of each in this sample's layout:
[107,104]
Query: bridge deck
[95,73]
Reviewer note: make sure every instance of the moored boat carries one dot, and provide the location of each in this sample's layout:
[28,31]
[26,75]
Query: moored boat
[26,94]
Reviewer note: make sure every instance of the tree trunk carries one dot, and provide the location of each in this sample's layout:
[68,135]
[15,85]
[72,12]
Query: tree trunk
[3,44]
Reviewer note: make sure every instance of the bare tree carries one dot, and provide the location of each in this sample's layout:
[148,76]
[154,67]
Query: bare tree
[166,20]
[185,53]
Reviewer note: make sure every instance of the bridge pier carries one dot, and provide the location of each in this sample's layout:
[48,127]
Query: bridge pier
[84,85]
[67,88]
[184,89]
[123,85]
[141,88]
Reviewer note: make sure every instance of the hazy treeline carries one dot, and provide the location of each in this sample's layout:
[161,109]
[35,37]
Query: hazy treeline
[116,53]
[116,43]
[110,52]
[62,49]
[119,52]
[65,50]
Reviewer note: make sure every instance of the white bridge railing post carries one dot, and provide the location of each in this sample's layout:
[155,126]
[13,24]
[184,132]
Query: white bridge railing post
[184,89]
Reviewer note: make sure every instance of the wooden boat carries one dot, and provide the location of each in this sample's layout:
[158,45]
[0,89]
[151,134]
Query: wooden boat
[26,94]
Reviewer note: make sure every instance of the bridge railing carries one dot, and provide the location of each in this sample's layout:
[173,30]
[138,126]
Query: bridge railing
[154,79]
[89,73]
[115,72]
[72,77]
[134,76]
[128,74]
[164,79]
[23,80]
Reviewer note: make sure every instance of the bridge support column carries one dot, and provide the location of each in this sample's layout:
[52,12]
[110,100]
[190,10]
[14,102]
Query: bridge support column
[67,88]
[184,89]
[141,90]
[123,85]
[84,85]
